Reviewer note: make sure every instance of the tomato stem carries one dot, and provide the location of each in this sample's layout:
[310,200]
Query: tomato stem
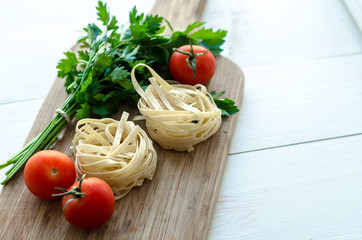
[191,59]
[76,192]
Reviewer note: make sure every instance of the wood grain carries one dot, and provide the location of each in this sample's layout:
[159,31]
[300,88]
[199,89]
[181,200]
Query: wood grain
[355,8]
[181,14]
[300,102]
[177,204]
[32,42]
[306,191]
[271,32]
[258,198]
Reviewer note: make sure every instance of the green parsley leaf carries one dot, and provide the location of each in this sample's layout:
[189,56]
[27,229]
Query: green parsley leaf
[100,110]
[210,39]
[68,64]
[99,74]
[67,68]
[97,79]
[83,55]
[93,32]
[120,76]
[216,95]
[113,24]
[133,17]
[83,111]
[103,14]
[226,105]
[192,27]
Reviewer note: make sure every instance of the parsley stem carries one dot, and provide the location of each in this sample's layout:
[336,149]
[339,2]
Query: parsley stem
[48,136]
[43,141]
[106,50]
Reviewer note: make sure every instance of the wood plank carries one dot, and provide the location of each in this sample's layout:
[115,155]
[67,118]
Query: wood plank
[269,32]
[17,118]
[308,191]
[177,204]
[34,41]
[292,31]
[300,102]
[355,8]
[16,127]
[181,16]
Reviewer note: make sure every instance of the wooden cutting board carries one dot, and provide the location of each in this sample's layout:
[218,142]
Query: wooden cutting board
[177,204]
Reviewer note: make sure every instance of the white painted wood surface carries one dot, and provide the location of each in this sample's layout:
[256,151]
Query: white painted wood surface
[300,102]
[306,191]
[295,166]
[281,31]
[355,8]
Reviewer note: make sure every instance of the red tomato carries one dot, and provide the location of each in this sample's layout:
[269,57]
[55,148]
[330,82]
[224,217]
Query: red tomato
[46,170]
[94,208]
[181,72]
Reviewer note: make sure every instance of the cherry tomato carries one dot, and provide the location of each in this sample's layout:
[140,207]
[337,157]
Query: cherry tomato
[181,71]
[93,206]
[46,170]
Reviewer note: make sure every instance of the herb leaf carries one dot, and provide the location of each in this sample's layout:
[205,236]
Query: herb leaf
[103,14]
[98,75]
[210,39]
[226,105]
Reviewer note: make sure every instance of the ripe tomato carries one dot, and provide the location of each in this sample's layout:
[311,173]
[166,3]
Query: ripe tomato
[46,170]
[93,206]
[181,71]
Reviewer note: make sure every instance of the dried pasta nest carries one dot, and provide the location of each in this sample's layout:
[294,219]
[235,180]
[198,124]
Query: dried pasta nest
[177,116]
[119,152]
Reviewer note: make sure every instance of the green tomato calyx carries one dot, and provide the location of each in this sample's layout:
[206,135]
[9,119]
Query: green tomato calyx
[191,59]
[76,192]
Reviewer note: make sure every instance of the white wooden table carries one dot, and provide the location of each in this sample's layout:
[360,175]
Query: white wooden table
[295,165]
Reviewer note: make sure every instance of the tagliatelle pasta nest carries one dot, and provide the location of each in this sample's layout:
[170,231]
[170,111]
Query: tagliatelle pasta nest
[177,116]
[119,152]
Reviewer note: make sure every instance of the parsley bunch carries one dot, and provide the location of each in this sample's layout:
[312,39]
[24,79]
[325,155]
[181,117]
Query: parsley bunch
[112,51]
[97,76]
